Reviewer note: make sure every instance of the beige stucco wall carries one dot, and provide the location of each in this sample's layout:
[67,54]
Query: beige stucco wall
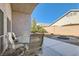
[21,24]
[65,30]
[68,30]
[49,29]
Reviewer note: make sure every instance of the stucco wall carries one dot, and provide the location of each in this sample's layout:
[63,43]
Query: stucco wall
[6,8]
[66,30]
[21,24]
[49,29]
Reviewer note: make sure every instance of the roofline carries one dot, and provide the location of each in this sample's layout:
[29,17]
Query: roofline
[71,10]
[71,24]
[35,7]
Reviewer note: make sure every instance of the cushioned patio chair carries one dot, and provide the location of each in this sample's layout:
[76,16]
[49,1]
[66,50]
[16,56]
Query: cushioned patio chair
[13,48]
[35,45]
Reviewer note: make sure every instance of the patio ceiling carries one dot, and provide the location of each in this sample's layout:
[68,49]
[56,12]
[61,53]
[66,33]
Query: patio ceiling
[23,7]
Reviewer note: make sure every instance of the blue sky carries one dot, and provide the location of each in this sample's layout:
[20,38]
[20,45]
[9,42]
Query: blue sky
[47,13]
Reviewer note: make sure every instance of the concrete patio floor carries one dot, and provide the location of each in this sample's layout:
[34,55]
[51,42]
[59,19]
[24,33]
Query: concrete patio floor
[52,47]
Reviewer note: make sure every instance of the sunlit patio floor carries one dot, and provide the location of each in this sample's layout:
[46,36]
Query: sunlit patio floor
[52,47]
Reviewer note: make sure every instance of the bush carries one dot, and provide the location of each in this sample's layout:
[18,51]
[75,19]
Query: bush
[37,28]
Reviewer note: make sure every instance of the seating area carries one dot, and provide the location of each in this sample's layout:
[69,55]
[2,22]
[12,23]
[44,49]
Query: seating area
[15,48]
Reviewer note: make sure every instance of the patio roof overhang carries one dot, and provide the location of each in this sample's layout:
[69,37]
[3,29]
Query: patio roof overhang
[23,7]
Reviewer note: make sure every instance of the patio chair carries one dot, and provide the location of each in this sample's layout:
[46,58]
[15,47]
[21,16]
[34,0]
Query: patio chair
[13,48]
[35,45]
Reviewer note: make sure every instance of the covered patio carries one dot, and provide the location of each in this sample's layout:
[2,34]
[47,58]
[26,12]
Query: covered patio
[15,18]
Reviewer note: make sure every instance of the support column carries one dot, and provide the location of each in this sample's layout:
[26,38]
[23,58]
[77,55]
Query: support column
[21,24]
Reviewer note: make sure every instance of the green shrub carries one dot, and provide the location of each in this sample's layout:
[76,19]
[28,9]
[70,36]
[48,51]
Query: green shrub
[37,28]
